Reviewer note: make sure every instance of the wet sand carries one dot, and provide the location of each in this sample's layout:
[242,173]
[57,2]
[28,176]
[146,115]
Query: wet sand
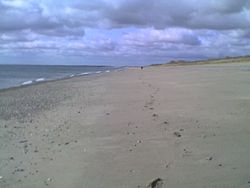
[182,126]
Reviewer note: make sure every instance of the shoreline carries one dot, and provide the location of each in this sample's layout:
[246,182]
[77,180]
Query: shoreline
[181,126]
[57,79]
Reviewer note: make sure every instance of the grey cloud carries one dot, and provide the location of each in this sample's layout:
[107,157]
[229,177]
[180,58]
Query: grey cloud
[20,19]
[61,32]
[224,14]
[184,29]
[153,37]
[245,34]
[159,14]
[25,36]
[211,44]
[194,14]
[93,5]
[229,6]
[38,18]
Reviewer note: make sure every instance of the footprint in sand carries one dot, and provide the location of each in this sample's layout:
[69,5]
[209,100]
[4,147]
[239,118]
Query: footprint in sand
[155,117]
[177,134]
[156,183]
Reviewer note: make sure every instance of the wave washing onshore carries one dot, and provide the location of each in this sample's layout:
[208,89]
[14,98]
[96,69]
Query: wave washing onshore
[20,75]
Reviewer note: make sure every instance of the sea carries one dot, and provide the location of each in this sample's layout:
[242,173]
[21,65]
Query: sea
[19,75]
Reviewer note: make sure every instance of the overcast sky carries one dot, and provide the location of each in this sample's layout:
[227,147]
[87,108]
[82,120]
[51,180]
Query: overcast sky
[122,32]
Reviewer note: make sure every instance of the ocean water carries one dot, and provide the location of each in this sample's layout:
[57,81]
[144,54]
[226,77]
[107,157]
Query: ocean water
[17,75]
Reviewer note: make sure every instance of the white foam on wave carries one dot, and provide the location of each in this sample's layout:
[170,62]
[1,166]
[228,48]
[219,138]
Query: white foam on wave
[27,82]
[72,75]
[40,79]
[85,73]
[107,70]
[98,72]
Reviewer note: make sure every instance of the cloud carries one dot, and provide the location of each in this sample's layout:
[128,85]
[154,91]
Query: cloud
[127,28]
[194,14]
[174,35]
[161,14]
[23,36]
[39,17]
[62,31]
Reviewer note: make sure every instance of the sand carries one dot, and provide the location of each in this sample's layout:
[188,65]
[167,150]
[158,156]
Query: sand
[182,126]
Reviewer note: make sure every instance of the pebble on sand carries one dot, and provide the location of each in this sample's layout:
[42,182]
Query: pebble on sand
[177,134]
[47,181]
[210,158]
[138,141]
[11,158]
[156,183]
[23,141]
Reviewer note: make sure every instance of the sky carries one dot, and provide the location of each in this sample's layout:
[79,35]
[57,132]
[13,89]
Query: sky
[122,32]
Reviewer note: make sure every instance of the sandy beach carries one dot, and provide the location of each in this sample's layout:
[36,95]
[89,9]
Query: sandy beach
[182,126]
